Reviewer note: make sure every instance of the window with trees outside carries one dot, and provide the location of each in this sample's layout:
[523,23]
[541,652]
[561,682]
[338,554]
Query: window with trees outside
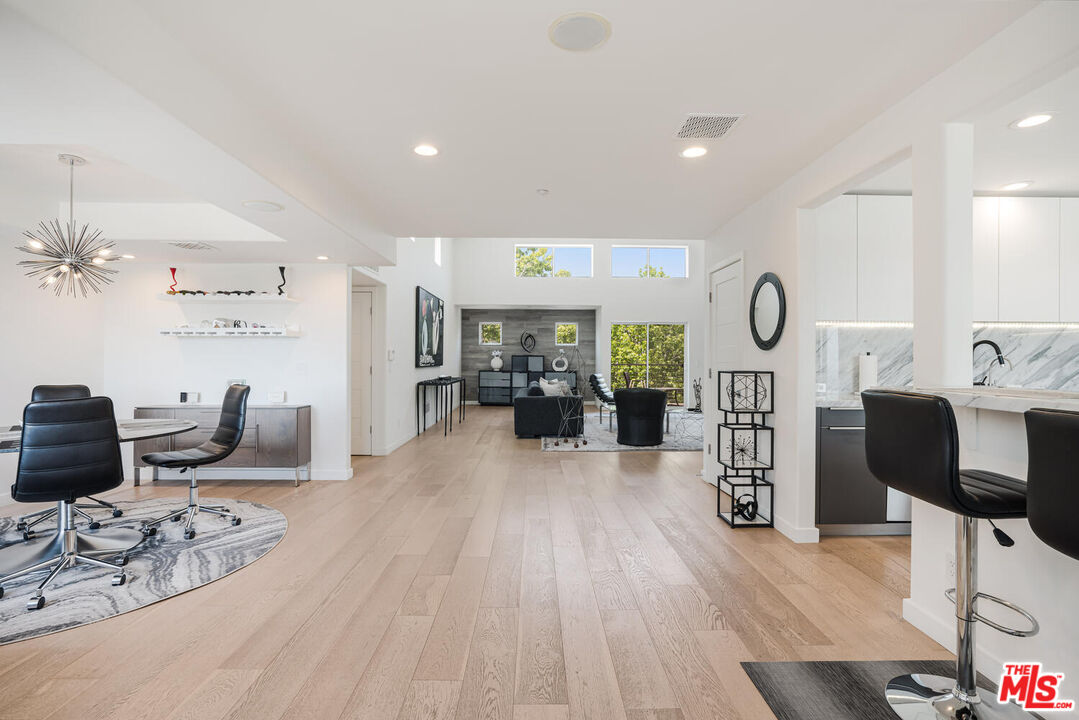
[638,261]
[565,334]
[553,261]
[490,333]
[651,355]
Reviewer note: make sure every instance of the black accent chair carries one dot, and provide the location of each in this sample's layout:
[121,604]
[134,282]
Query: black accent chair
[230,429]
[539,415]
[640,416]
[604,397]
[26,523]
[912,445]
[1052,481]
[69,449]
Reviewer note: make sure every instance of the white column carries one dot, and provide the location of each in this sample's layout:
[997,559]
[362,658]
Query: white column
[943,256]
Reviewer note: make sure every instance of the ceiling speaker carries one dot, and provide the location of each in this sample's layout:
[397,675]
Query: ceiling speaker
[578,32]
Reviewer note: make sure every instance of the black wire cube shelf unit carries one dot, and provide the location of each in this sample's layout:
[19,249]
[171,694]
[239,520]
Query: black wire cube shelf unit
[746,448]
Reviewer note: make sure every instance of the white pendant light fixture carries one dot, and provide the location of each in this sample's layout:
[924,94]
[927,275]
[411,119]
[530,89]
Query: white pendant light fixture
[69,261]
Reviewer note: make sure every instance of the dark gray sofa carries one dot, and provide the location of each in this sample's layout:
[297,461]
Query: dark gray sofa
[538,415]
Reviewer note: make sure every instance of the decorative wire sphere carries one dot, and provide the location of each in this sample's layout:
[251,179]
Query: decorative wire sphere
[71,261]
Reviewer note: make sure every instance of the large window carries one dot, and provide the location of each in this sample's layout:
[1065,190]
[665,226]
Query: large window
[649,355]
[553,261]
[638,261]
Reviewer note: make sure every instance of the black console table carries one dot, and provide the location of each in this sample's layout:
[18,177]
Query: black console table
[443,403]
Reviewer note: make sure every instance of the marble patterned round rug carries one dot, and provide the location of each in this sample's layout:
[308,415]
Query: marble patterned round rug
[160,567]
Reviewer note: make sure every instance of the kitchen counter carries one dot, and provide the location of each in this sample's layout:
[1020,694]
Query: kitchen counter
[839,399]
[1013,400]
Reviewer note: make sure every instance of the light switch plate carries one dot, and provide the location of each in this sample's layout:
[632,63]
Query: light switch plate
[822,387]
[276,396]
[192,397]
[391,354]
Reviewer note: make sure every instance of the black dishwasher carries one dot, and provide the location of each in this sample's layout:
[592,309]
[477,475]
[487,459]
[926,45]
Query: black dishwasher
[849,499]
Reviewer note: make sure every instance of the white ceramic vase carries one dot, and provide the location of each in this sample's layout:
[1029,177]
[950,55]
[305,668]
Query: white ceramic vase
[496,363]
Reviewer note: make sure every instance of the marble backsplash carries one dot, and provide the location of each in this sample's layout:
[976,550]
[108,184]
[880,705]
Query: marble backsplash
[1040,358]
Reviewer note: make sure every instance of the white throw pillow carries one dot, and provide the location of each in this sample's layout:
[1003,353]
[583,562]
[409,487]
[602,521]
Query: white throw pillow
[550,388]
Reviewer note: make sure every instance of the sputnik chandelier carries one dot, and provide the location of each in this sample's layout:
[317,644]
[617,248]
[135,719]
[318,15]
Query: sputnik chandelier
[69,260]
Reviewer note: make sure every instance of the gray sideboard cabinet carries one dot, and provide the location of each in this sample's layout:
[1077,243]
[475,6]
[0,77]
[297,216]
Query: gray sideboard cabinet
[275,436]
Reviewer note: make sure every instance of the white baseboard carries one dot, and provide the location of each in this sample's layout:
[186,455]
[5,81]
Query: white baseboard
[797,534]
[253,474]
[942,631]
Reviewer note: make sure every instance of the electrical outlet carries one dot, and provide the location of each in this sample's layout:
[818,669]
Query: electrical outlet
[949,570]
[822,387]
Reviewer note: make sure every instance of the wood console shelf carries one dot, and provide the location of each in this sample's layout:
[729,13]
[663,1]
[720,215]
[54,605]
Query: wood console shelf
[275,436]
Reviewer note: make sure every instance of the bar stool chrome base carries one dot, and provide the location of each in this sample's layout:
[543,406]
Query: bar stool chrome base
[932,697]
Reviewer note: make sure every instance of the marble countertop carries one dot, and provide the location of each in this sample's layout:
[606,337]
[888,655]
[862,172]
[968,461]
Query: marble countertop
[839,399]
[1003,399]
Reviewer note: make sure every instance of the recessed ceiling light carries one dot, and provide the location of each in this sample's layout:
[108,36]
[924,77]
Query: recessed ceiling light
[263,205]
[694,152]
[128,257]
[1021,185]
[425,150]
[322,257]
[1032,121]
[579,31]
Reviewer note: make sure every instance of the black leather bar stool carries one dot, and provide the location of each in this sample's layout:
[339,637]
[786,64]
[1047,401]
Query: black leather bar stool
[27,522]
[912,445]
[1053,478]
[69,449]
[226,438]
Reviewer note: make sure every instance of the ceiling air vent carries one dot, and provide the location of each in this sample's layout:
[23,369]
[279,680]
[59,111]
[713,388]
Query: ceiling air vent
[707,127]
[193,245]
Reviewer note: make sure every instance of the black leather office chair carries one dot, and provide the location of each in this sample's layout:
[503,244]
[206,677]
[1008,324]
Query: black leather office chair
[640,415]
[69,449]
[604,397]
[912,445]
[230,429]
[1053,478]
[26,523]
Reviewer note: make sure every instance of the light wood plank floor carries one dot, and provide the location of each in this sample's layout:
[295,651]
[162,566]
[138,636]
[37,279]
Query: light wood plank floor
[477,577]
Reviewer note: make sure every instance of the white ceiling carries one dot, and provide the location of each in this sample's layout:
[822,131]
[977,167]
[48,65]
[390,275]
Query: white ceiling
[1047,154]
[350,87]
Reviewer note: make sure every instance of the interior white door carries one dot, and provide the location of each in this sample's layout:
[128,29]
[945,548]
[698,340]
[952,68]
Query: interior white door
[726,316]
[361,372]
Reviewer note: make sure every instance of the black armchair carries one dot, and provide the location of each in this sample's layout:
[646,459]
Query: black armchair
[640,416]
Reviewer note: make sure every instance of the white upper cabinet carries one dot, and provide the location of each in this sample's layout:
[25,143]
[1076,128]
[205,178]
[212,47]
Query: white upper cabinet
[837,259]
[1030,259]
[986,258]
[1069,259]
[885,258]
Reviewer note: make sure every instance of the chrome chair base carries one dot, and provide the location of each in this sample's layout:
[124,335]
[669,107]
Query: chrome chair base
[191,511]
[66,549]
[932,697]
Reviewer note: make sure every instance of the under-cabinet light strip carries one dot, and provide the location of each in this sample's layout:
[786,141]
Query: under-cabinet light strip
[1001,325]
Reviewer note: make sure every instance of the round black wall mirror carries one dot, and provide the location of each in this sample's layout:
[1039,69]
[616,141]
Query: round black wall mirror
[767,311]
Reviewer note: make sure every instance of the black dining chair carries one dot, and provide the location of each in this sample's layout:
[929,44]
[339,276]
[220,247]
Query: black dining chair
[26,523]
[230,429]
[69,449]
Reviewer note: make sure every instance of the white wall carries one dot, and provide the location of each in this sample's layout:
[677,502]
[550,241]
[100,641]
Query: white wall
[143,368]
[394,386]
[51,341]
[487,280]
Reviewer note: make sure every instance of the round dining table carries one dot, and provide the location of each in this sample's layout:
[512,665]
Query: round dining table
[93,543]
